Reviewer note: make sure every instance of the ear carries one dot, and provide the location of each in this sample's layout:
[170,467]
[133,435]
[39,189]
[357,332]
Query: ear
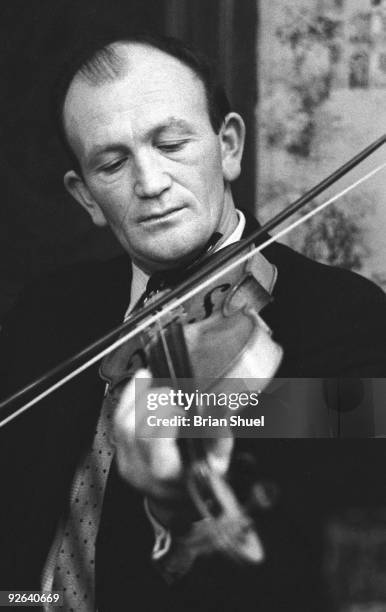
[232,137]
[76,186]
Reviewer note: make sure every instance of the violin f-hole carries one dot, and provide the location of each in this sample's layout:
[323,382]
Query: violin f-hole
[208,302]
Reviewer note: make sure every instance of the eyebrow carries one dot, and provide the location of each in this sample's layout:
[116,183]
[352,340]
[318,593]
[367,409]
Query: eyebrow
[170,122]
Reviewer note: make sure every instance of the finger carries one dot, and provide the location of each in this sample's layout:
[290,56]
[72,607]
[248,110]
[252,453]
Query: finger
[141,379]
[219,454]
[124,417]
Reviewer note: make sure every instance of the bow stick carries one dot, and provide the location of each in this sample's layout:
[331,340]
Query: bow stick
[18,403]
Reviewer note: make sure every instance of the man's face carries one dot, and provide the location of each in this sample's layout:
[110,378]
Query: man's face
[153,167]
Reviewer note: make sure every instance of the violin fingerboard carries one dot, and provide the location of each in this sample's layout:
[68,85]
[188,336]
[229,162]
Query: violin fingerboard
[168,353]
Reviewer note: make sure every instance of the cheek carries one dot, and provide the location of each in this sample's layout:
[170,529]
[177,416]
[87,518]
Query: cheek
[113,200]
[206,175]
[214,178]
[213,188]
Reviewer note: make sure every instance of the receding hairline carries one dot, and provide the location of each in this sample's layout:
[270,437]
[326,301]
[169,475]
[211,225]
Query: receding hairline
[113,64]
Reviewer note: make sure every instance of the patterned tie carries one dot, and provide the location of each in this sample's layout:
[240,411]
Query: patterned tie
[75,563]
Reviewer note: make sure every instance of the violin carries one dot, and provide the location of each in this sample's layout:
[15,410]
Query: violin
[180,334]
[187,345]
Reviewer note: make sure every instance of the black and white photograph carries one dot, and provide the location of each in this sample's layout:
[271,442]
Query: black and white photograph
[192,305]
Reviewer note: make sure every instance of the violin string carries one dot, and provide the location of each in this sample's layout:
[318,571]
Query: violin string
[168,356]
[181,300]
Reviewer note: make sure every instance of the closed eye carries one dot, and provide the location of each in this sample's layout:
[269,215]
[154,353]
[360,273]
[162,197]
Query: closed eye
[171,147]
[114,166]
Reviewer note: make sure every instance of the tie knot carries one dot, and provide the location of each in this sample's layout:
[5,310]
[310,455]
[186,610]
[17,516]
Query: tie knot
[164,280]
[159,281]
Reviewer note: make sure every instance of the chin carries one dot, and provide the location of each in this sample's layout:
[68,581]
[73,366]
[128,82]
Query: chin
[172,257]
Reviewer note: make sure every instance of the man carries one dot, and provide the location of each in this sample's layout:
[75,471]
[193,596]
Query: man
[155,148]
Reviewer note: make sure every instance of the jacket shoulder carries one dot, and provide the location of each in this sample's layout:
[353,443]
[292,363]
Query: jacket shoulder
[333,283]
[328,312]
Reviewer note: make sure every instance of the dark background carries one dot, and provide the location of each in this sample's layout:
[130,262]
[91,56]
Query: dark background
[41,228]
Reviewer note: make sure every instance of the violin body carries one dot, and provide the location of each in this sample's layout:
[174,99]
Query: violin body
[223,331]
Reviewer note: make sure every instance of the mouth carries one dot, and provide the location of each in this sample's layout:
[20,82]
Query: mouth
[161,216]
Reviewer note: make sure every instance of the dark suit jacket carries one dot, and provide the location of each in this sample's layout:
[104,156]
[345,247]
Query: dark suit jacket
[330,323]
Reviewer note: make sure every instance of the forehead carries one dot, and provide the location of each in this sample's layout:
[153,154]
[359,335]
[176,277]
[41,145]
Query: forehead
[151,83]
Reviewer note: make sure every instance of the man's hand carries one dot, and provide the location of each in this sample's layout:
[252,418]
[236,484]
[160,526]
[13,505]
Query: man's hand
[153,464]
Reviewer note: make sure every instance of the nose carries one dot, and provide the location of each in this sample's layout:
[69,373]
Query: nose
[151,177]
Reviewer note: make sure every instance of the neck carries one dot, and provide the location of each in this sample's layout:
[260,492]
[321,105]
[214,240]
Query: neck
[229,219]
